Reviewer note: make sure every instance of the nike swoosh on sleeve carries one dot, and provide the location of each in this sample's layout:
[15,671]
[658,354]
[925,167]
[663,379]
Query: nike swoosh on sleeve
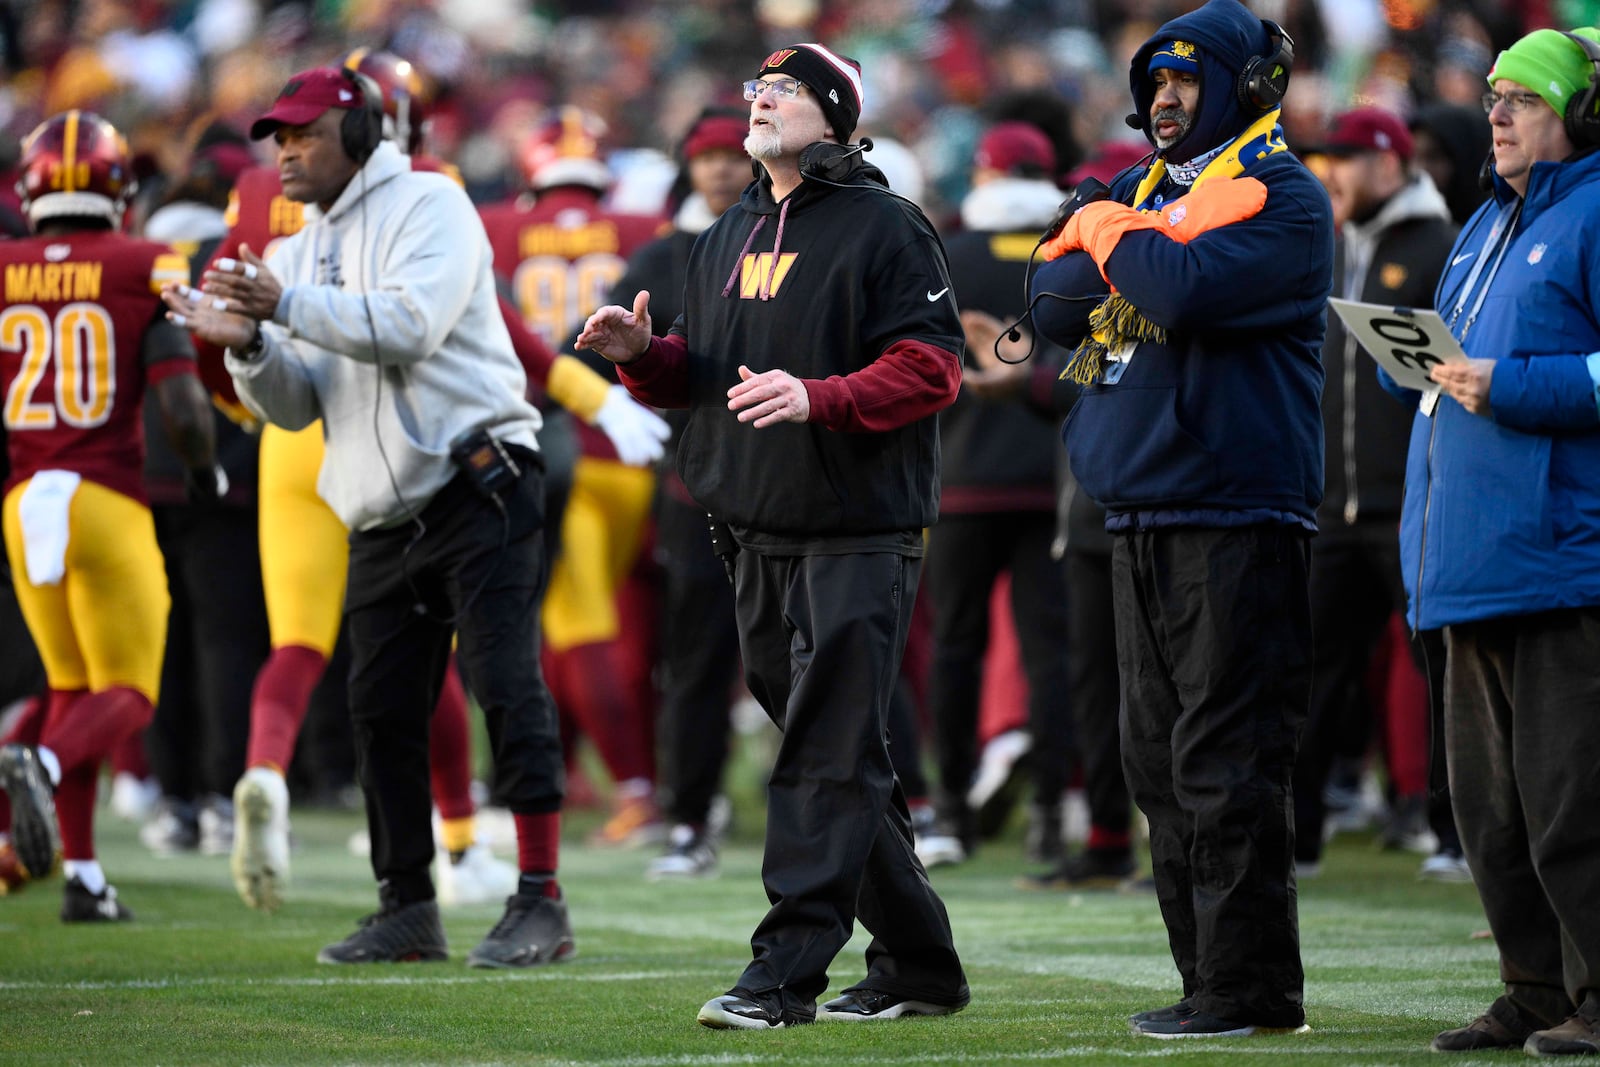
[934,296]
[1462,256]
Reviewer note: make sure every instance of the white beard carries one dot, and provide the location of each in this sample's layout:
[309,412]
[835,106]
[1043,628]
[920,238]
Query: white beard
[765,142]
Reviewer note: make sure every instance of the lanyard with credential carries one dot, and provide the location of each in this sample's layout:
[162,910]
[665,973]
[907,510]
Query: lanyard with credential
[1477,269]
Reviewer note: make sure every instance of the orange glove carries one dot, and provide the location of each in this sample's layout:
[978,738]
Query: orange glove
[1099,227]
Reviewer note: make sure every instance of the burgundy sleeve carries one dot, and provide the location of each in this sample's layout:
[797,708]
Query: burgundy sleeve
[909,381]
[660,376]
[534,355]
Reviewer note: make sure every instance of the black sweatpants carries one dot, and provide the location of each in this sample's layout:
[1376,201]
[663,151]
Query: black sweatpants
[1096,693]
[699,660]
[485,572]
[217,639]
[966,556]
[1522,696]
[1214,648]
[822,638]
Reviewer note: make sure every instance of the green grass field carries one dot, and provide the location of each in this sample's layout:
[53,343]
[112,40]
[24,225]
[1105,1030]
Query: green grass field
[199,979]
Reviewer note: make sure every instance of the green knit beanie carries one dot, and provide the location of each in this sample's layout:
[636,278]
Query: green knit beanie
[1548,63]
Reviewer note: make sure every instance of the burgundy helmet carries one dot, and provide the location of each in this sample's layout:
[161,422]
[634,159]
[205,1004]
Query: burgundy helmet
[75,164]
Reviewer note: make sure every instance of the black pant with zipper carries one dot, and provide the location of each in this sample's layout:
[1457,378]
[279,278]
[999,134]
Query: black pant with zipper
[1214,649]
[822,638]
[476,574]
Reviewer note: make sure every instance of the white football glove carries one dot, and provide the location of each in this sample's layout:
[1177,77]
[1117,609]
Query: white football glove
[638,434]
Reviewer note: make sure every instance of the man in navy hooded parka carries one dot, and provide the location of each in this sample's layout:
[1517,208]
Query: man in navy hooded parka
[1196,295]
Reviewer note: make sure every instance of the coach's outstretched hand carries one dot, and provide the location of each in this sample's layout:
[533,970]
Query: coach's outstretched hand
[616,333]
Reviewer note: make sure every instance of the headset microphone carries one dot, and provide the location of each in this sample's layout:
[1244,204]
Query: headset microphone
[830,161]
[1134,121]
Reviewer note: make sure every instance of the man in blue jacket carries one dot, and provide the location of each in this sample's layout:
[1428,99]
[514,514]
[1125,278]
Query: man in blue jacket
[1199,430]
[1500,544]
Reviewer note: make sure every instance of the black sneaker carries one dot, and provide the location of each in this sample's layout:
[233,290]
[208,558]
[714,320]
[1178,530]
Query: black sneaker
[691,853]
[78,905]
[1170,1012]
[1502,1026]
[398,933]
[740,1010]
[535,929]
[1204,1024]
[1093,868]
[34,833]
[857,1005]
[1043,841]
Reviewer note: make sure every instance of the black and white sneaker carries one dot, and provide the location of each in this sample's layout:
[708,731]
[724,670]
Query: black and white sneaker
[691,853]
[857,1005]
[172,828]
[78,905]
[535,929]
[738,1010]
[1203,1024]
[34,833]
[398,933]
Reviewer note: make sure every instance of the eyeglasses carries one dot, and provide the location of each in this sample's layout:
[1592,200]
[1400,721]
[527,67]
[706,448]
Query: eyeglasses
[1516,103]
[782,88]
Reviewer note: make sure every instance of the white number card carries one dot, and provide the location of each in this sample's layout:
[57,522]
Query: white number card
[1406,341]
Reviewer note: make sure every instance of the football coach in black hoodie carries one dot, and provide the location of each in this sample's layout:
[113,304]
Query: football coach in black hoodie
[818,340]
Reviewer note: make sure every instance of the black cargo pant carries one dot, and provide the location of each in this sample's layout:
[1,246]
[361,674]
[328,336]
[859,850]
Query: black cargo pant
[1214,650]
[1522,730]
[966,556]
[699,660]
[822,638]
[479,575]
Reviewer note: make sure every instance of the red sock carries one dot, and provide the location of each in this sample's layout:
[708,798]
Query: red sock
[539,844]
[450,750]
[599,700]
[29,724]
[279,702]
[75,811]
[1102,839]
[129,756]
[85,730]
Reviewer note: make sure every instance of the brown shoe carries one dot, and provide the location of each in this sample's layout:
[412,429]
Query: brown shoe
[1577,1036]
[1501,1026]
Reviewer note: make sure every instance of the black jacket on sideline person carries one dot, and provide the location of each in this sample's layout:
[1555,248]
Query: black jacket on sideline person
[868,484]
[1393,258]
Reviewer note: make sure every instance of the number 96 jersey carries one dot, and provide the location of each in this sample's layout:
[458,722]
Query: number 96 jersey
[72,366]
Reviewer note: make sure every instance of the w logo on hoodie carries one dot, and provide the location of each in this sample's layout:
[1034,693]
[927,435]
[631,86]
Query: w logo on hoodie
[756,267]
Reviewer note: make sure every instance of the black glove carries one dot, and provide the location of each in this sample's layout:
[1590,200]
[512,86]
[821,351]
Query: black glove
[203,486]
[1088,191]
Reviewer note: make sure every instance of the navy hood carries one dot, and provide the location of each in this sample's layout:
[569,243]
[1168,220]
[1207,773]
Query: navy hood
[1227,35]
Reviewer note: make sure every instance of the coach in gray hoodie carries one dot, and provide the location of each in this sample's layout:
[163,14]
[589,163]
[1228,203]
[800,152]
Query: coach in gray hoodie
[380,319]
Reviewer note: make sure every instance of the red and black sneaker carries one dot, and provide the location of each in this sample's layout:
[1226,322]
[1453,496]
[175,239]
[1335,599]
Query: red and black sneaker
[399,933]
[1204,1024]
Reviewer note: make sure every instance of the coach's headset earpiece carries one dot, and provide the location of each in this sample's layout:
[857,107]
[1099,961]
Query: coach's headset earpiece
[1265,79]
[1582,116]
[361,130]
[832,162]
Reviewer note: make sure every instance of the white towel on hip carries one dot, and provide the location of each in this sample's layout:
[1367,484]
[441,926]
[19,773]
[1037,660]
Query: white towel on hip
[44,509]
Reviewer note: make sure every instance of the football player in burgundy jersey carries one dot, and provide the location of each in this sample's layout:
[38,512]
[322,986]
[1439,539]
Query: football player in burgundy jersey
[563,251]
[82,336]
